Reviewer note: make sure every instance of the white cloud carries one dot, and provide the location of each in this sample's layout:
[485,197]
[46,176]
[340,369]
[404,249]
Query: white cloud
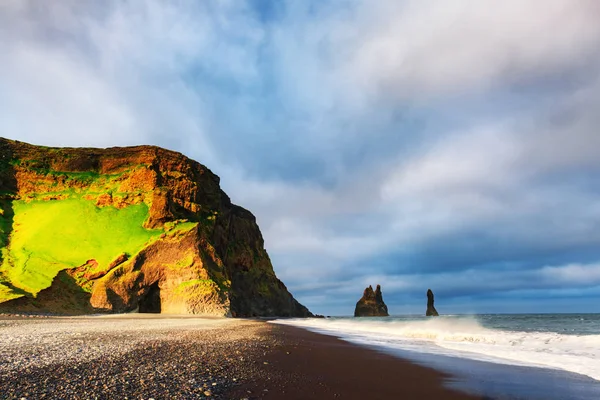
[115,74]
[572,274]
[414,47]
[51,98]
[458,162]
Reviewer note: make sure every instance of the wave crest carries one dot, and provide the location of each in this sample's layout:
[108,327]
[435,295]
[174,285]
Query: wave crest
[466,337]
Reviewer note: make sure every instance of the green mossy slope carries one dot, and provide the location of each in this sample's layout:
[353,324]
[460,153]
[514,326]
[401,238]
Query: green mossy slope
[49,236]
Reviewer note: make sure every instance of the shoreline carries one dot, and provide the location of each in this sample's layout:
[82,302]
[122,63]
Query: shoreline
[489,379]
[309,365]
[143,356]
[169,357]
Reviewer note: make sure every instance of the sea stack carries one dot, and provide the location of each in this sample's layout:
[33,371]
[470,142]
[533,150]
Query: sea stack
[431,311]
[371,304]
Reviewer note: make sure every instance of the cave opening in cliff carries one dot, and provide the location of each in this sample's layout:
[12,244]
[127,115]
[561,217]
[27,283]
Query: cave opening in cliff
[150,303]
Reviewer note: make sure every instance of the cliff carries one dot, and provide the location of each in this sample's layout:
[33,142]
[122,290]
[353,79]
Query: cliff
[431,311]
[123,229]
[371,304]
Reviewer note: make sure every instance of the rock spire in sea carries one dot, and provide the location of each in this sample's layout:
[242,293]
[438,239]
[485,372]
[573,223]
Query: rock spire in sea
[431,311]
[371,304]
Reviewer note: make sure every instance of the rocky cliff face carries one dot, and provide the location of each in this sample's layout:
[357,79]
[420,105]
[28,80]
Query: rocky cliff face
[371,304]
[124,229]
[431,311]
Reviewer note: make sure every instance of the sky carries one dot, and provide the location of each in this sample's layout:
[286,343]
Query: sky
[413,144]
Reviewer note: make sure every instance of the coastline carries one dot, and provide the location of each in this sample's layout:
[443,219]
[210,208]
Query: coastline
[470,372]
[308,365]
[173,357]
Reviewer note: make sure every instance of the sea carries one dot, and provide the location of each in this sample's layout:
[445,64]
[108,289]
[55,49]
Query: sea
[496,356]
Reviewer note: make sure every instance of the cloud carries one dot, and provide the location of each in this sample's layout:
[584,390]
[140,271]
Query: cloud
[415,48]
[573,274]
[410,143]
[120,73]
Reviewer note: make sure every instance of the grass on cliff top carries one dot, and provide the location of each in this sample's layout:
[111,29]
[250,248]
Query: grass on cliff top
[49,236]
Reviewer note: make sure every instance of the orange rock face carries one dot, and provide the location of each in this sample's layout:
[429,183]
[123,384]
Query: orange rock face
[217,265]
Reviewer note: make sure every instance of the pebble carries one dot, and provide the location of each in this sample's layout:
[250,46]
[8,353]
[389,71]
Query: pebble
[87,358]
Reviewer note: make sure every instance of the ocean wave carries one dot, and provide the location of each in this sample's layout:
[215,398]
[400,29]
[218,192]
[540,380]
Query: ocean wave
[467,338]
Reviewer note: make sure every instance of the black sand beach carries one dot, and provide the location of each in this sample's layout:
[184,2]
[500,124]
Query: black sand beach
[143,357]
[307,365]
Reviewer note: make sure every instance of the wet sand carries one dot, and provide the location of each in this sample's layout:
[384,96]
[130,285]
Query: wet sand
[306,365]
[170,357]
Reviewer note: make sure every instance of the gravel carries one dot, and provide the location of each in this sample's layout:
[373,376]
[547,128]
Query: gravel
[129,357]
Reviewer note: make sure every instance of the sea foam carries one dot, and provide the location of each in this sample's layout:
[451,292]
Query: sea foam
[465,337]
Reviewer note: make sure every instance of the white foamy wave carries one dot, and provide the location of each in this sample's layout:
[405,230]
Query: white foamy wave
[465,337]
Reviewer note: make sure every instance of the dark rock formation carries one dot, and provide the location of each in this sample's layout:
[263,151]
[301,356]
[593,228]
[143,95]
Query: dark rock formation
[206,255]
[431,311]
[371,304]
